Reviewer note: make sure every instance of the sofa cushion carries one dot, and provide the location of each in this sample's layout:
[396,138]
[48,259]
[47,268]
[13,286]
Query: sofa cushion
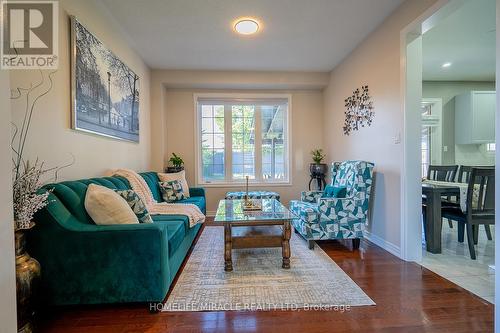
[72,193]
[198,201]
[152,180]
[176,233]
[172,191]
[105,206]
[136,204]
[176,230]
[180,176]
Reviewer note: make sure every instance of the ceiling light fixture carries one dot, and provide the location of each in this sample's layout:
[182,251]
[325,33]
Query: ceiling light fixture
[246,26]
[446,65]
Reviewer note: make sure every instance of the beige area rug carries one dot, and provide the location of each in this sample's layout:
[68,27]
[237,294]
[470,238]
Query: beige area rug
[258,282]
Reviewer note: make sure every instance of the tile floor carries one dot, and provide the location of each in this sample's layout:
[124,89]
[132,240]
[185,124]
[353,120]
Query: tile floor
[455,264]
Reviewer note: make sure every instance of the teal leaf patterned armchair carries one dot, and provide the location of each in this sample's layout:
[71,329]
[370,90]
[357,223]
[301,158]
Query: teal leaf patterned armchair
[319,217]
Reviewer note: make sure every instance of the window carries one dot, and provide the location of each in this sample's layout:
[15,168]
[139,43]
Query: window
[242,136]
[426,139]
[490,147]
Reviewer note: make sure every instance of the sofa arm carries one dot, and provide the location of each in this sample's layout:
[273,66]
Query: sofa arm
[310,196]
[91,264]
[197,191]
[306,211]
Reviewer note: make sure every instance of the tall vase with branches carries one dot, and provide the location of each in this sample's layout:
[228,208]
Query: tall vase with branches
[27,198]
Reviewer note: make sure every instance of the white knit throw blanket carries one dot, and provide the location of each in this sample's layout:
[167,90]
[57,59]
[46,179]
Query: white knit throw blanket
[142,189]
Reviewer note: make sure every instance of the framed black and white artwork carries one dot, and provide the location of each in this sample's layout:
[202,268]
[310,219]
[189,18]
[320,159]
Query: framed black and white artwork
[104,90]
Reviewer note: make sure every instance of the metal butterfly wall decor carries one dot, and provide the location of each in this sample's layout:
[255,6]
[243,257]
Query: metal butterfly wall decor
[359,110]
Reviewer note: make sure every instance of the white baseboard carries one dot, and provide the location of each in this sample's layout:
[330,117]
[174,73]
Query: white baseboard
[379,241]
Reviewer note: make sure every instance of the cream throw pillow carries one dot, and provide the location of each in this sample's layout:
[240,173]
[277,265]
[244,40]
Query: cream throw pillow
[180,176]
[105,206]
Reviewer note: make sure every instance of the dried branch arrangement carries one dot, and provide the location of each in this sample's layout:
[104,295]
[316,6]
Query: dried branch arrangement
[26,176]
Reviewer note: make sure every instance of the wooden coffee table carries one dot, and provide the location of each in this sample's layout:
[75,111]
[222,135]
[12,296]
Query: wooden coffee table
[269,227]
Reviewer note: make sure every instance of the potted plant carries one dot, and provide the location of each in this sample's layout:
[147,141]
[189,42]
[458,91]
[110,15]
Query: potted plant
[177,164]
[317,168]
[27,201]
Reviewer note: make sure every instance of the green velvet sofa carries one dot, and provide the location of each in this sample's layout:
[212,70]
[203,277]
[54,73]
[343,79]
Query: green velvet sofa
[84,263]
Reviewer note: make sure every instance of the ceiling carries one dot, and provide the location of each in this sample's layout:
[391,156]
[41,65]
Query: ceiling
[296,35]
[466,38]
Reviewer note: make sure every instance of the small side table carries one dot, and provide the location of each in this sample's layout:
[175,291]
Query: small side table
[318,171]
[320,180]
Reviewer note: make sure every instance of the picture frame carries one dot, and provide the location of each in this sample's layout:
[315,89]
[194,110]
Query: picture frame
[104,90]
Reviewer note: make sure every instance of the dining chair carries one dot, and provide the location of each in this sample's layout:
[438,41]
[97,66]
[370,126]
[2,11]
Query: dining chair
[463,176]
[480,205]
[445,173]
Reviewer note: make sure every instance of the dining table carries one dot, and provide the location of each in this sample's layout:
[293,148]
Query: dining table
[434,191]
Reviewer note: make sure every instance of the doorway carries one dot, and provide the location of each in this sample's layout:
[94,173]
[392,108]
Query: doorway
[421,145]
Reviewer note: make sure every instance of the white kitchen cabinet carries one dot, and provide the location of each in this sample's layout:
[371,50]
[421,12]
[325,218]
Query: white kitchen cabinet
[475,117]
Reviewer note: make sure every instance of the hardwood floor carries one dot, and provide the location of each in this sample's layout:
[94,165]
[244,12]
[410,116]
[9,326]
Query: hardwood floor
[409,298]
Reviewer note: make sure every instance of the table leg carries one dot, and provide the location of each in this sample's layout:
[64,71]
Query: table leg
[228,263]
[285,244]
[433,222]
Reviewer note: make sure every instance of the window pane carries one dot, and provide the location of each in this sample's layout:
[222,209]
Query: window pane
[218,155]
[238,171]
[219,111]
[212,142]
[237,111]
[206,111]
[207,124]
[219,140]
[266,154]
[248,111]
[266,171]
[279,171]
[243,141]
[207,140]
[237,156]
[219,125]
[273,142]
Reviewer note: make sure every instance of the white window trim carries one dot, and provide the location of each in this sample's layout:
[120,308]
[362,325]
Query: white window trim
[252,183]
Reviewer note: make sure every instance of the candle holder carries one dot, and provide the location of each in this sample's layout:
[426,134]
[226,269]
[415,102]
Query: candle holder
[250,204]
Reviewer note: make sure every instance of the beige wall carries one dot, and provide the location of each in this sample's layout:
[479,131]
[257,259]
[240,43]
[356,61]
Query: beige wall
[306,113]
[51,138]
[173,117]
[7,265]
[376,62]
[163,80]
[457,154]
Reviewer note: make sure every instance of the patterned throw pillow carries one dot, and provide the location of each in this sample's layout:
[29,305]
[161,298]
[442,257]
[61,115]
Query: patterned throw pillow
[136,204]
[172,191]
[180,176]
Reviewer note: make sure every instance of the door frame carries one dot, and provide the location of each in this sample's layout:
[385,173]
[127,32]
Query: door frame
[411,97]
